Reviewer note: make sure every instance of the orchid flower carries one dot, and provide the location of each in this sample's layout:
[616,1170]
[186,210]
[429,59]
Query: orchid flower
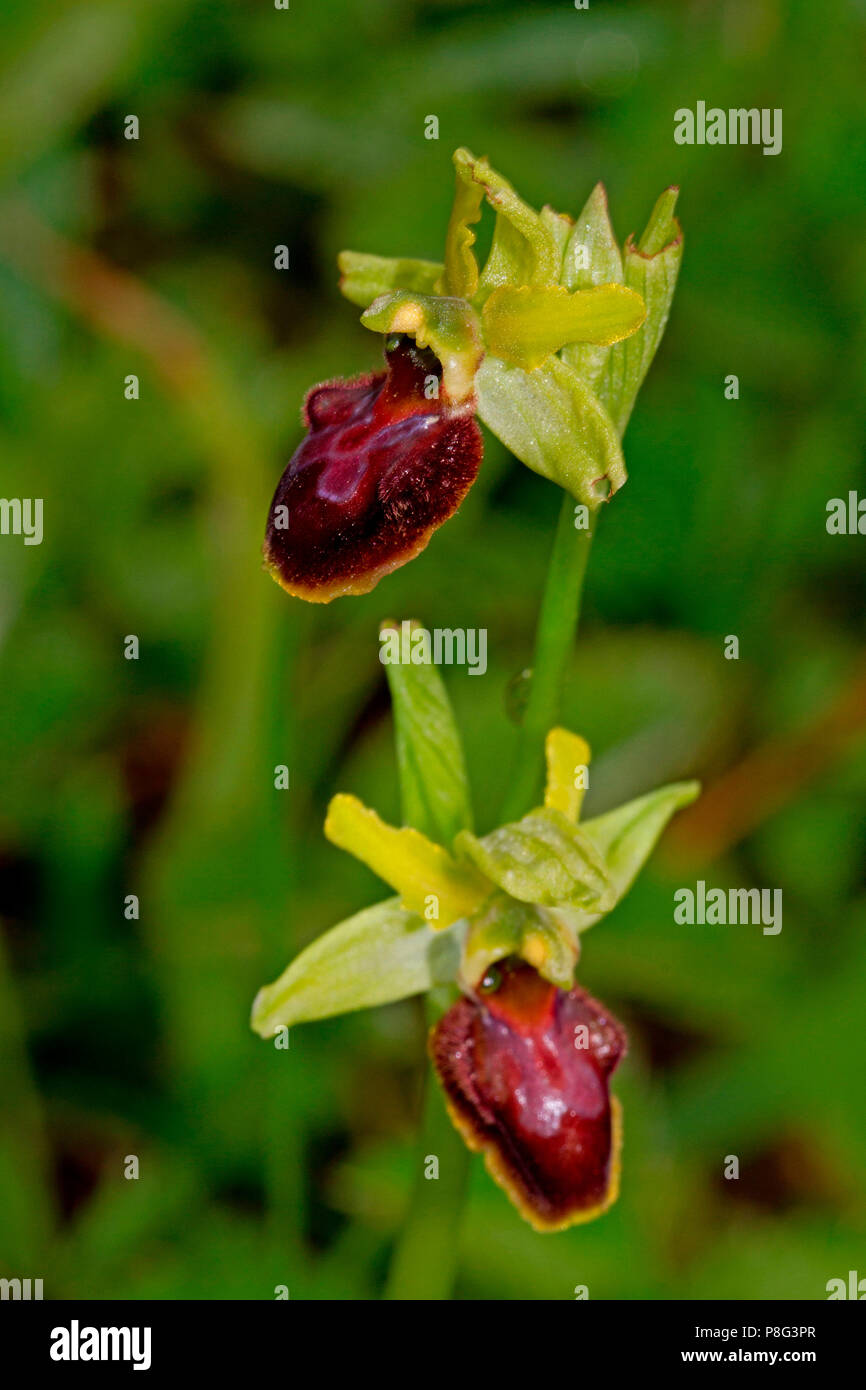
[547,345]
[524,1055]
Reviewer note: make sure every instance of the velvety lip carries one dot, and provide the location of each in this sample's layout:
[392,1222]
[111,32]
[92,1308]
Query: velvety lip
[380,468]
[526,1072]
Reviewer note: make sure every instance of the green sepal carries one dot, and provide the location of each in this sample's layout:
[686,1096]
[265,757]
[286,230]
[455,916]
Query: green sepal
[651,267]
[544,858]
[593,234]
[524,248]
[552,422]
[381,954]
[523,325]
[460,274]
[592,257]
[560,226]
[364,278]
[505,927]
[433,782]
[626,837]
[448,326]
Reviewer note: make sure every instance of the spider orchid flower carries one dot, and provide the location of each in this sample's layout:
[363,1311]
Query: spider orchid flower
[547,345]
[524,1054]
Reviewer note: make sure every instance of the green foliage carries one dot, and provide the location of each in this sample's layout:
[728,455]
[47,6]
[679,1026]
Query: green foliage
[434,786]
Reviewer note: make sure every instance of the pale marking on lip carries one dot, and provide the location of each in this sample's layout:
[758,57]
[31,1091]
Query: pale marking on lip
[408,319]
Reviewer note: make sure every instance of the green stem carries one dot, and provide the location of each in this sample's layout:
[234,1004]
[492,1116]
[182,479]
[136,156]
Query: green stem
[425,1258]
[554,640]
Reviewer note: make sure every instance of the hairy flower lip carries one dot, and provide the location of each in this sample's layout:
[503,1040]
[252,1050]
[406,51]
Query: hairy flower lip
[382,465]
[537,1105]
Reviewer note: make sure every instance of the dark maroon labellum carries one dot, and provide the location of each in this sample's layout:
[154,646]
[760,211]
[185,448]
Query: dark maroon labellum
[526,1070]
[379,469]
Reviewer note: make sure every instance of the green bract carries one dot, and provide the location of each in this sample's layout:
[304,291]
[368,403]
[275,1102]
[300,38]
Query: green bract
[553,336]
[433,780]
[526,889]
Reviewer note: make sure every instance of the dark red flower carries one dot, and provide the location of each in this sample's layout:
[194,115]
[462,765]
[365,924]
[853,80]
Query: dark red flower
[526,1070]
[382,465]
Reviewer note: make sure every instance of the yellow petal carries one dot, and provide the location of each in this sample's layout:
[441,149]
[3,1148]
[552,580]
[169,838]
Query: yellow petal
[567,758]
[524,325]
[414,866]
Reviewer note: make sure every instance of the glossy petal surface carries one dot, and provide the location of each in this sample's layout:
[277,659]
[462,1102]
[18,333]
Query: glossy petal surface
[379,469]
[526,1071]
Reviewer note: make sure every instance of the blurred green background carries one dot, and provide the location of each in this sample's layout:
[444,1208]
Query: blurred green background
[305,127]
